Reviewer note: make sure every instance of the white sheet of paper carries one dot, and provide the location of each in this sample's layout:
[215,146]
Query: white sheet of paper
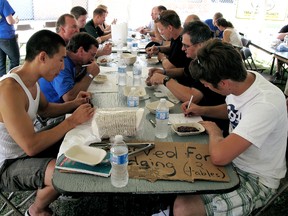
[180,118]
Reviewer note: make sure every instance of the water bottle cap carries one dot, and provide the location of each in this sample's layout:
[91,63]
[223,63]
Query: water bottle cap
[132,89]
[118,138]
[162,100]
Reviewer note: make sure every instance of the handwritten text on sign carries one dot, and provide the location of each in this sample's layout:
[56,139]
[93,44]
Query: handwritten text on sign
[176,161]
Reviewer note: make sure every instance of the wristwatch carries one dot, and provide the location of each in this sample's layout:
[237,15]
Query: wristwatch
[166,79]
[90,75]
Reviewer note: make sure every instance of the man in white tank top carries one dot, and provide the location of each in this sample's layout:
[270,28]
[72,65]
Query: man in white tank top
[22,150]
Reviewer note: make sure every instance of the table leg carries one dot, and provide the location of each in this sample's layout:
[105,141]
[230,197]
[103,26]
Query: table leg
[272,66]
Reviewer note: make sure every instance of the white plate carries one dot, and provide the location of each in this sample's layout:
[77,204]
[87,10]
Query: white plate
[139,89]
[86,154]
[153,106]
[153,60]
[196,125]
[100,78]
[104,60]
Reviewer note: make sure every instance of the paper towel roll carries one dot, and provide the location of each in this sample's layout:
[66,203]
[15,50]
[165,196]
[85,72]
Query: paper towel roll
[119,32]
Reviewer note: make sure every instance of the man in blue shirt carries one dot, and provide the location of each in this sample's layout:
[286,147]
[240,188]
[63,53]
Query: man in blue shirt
[214,29]
[75,77]
[8,43]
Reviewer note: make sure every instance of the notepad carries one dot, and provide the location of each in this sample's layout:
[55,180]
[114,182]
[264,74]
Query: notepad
[180,118]
[101,169]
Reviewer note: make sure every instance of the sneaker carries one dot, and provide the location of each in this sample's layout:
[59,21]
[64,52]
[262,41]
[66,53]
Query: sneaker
[163,212]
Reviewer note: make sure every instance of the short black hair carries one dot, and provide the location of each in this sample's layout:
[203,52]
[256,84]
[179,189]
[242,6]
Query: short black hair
[81,39]
[78,11]
[43,40]
[217,61]
[198,32]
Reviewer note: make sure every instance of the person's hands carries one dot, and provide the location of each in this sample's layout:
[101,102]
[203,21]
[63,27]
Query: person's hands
[194,109]
[152,50]
[211,128]
[157,79]
[82,98]
[82,114]
[154,70]
[16,20]
[107,49]
[93,69]
[114,21]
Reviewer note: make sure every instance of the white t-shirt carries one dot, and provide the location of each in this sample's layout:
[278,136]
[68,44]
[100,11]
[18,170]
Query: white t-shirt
[260,116]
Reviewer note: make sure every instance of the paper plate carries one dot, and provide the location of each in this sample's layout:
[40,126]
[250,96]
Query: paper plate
[199,128]
[85,154]
[153,106]
[153,60]
[104,60]
[100,79]
[139,89]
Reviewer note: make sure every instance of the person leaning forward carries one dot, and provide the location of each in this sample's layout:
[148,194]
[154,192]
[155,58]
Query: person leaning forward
[78,73]
[256,145]
[24,155]
[170,28]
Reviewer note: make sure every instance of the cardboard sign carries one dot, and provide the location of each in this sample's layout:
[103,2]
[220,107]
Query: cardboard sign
[176,161]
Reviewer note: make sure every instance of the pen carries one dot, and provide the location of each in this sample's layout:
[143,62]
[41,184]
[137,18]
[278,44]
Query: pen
[86,65]
[190,101]
[152,122]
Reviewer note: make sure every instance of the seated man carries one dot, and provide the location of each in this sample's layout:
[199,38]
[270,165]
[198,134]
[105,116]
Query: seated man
[195,34]
[172,56]
[91,27]
[67,26]
[80,15]
[76,76]
[256,144]
[215,31]
[26,159]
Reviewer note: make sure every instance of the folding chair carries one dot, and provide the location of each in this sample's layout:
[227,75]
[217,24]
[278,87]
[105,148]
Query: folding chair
[15,208]
[245,42]
[248,60]
[283,187]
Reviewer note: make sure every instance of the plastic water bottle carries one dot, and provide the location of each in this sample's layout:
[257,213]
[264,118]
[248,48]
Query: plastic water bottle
[162,118]
[137,73]
[119,162]
[133,98]
[122,73]
[134,48]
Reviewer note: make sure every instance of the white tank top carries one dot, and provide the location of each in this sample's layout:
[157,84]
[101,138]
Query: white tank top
[8,147]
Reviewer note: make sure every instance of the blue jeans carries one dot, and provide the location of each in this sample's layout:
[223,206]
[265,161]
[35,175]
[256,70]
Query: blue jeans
[10,48]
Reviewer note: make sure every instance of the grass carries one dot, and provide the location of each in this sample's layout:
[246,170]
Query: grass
[128,205]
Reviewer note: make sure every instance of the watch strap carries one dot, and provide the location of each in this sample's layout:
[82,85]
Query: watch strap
[166,79]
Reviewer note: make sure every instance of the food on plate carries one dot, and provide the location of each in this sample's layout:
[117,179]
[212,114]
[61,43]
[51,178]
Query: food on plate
[103,60]
[186,129]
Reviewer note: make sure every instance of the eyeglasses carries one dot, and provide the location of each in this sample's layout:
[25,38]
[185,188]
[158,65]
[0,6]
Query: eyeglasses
[185,46]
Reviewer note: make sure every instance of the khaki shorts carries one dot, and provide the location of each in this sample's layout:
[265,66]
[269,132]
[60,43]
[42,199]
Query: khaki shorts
[23,174]
[249,196]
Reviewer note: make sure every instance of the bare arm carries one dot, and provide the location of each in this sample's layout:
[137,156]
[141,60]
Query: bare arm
[20,126]
[281,36]
[223,150]
[48,110]
[181,92]
[11,20]
[83,84]
[226,36]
